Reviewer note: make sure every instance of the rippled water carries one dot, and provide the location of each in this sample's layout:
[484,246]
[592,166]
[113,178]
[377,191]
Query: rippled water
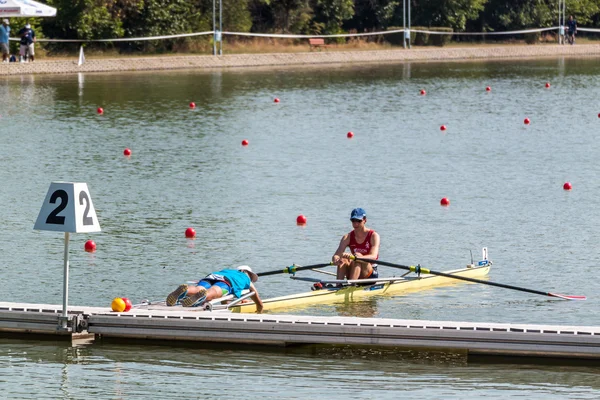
[504,180]
[109,371]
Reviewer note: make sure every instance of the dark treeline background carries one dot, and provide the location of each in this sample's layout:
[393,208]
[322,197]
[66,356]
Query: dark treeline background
[102,19]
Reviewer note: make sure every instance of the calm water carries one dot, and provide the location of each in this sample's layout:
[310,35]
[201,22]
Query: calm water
[504,180]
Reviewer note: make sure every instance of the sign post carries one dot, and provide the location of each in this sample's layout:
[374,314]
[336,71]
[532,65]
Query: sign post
[67,208]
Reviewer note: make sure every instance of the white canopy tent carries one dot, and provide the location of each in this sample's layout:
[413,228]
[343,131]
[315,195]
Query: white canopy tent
[25,8]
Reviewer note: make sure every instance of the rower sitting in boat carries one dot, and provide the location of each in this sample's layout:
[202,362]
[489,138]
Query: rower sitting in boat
[217,285]
[363,242]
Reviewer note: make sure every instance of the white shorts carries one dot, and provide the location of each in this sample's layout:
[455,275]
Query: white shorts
[25,48]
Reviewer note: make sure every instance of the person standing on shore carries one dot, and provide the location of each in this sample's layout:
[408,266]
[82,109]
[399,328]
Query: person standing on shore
[4,35]
[571,29]
[27,40]
[363,242]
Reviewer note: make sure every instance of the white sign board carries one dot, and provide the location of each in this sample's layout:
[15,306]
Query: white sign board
[68,207]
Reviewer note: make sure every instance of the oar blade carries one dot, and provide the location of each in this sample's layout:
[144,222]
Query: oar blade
[567,297]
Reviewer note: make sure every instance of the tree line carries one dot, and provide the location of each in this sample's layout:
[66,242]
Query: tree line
[102,19]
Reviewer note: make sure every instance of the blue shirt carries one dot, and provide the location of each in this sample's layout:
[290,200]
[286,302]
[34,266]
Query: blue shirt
[4,33]
[27,35]
[239,280]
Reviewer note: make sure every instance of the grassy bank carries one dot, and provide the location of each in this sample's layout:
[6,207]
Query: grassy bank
[279,46]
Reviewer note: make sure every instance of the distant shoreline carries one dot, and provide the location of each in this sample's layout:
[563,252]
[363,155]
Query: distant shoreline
[201,62]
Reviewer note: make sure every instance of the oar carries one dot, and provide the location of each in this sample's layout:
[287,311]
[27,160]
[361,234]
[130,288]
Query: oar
[420,269]
[292,269]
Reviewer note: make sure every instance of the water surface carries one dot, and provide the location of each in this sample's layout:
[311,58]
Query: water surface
[504,180]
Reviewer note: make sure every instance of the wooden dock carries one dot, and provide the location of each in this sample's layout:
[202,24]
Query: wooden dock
[171,327]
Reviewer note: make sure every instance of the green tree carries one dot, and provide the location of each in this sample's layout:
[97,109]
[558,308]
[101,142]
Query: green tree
[448,13]
[332,13]
[585,11]
[374,15]
[236,16]
[502,15]
[85,19]
[261,15]
[290,15]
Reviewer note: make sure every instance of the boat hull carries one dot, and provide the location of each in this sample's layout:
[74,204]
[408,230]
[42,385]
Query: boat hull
[353,293]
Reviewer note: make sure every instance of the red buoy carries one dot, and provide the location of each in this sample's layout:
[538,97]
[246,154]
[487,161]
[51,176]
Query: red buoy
[526,121]
[301,220]
[567,186]
[350,135]
[127,152]
[598,115]
[443,128]
[90,246]
[445,202]
[192,105]
[190,233]
[276,100]
[100,110]
[245,142]
[423,92]
[547,85]
[128,304]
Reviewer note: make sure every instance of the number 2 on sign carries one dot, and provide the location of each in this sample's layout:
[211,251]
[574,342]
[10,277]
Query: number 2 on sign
[54,218]
[86,219]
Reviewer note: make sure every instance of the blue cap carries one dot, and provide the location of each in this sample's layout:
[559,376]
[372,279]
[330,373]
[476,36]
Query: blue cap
[358,213]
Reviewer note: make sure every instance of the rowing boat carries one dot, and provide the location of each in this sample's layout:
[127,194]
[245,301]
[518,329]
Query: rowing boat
[352,290]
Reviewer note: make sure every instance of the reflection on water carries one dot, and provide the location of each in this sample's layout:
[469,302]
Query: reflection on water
[364,308]
[124,371]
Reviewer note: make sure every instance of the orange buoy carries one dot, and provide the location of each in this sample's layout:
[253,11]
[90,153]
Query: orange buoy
[445,202]
[90,246]
[190,233]
[301,220]
[118,305]
[567,186]
[350,135]
[526,121]
[245,142]
[127,152]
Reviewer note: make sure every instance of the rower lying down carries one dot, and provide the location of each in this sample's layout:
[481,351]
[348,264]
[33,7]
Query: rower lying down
[216,286]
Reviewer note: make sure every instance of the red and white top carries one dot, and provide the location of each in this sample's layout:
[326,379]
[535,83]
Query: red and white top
[362,248]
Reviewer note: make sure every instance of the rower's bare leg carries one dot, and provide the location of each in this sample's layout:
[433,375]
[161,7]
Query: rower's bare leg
[342,269]
[360,270]
[214,292]
[198,295]
[193,290]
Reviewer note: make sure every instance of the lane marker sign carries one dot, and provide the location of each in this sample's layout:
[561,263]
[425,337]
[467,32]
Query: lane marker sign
[68,207]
